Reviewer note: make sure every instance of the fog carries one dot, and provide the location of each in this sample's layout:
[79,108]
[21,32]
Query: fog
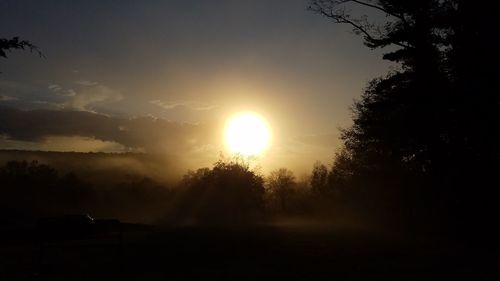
[157,189]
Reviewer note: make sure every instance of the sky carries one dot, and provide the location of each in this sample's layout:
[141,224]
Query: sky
[163,77]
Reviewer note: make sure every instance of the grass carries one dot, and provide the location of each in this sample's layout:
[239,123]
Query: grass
[284,252]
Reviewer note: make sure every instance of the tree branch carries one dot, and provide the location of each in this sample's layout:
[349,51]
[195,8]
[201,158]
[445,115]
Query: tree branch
[342,19]
[15,43]
[401,17]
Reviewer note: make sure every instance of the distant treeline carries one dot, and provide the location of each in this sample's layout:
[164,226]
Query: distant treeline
[30,190]
[101,167]
[229,193]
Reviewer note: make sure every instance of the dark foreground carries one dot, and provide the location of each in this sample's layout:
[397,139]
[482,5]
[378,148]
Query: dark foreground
[258,253]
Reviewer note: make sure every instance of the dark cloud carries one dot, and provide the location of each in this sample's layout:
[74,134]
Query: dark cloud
[147,133]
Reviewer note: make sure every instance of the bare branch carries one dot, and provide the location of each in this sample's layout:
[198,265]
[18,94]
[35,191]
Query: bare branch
[326,8]
[340,18]
[401,17]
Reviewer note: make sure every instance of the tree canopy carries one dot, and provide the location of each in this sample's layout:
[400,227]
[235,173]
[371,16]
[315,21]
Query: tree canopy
[427,132]
[228,193]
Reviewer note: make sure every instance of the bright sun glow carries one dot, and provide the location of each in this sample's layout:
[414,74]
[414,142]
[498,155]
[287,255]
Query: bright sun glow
[247,134]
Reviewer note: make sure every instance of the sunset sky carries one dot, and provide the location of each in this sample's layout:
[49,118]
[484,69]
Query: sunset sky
[164,76]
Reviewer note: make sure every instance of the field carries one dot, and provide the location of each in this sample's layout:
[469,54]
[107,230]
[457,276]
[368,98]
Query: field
[289,252]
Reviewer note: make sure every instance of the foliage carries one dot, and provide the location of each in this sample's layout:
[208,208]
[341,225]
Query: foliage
[16,44]
[229,193]
[280,186]
[424,142]
[319,179]
[34,190]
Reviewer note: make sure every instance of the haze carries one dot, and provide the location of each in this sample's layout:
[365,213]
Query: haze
[165,75]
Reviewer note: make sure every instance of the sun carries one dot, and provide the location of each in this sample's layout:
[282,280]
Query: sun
[247,134]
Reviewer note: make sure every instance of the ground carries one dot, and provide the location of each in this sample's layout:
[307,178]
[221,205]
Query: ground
[245,253]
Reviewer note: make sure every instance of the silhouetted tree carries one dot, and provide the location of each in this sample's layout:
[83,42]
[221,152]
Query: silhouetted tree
[424,137]
[26,185]
[229,193]
[319,179]
[37,190]
[280,185]
[137,198]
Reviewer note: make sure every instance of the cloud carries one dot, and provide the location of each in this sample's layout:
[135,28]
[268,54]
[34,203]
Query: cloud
[63,143]
[14,90]
[28,96]
[7,98]
[198,106]
[143,133]
[58,90]
[54,87]
[7,85]
[88,96]
[85,95]
[86,83]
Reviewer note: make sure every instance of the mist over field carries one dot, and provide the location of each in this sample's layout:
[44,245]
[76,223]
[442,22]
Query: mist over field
[249,140]
[141,188]
[103,167]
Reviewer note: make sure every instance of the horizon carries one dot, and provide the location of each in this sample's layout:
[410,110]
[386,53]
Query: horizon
[249,140]
[200,67]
